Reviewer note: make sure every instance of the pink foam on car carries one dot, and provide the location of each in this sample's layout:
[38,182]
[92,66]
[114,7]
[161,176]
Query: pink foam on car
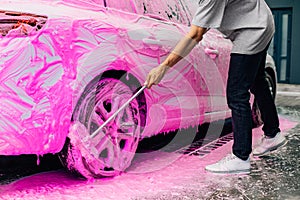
[48,57]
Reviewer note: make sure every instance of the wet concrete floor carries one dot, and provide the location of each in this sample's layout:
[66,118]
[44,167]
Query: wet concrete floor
[276,176]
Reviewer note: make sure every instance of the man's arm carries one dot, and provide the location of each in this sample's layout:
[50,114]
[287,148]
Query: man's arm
[185,46]
[182,49]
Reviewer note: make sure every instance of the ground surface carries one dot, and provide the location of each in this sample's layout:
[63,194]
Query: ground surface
[171,174]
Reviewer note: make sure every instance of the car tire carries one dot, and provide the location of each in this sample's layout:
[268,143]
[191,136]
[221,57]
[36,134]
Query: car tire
[256,114]
[110,152]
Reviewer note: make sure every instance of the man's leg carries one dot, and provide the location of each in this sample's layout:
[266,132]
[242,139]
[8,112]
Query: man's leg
[265,101]
[242,73]
[241,76]
[272,138]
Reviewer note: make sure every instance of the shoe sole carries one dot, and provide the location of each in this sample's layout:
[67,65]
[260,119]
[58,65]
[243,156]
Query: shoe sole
[273,148]
[230,172]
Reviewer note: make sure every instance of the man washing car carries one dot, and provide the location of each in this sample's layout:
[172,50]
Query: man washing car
[249,25]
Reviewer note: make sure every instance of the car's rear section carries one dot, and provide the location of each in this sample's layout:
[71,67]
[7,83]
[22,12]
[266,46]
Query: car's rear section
[35,100]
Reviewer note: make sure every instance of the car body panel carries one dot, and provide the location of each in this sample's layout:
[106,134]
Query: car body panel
[44,73]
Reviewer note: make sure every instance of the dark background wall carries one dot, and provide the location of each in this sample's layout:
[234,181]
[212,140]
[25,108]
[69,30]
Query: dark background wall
[294,5]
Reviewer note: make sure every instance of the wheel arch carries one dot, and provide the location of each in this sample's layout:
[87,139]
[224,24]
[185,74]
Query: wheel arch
[127,78]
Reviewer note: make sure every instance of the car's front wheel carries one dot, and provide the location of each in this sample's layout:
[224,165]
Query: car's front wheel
[112,151]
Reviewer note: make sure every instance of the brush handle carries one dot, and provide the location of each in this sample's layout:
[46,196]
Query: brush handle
[117,112]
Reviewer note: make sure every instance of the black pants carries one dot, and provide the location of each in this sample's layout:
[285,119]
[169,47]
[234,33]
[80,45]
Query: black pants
[247,72]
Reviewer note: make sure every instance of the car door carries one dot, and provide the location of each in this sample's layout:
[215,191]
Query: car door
[212,65]
[182,80]
[213,68]
[209,59]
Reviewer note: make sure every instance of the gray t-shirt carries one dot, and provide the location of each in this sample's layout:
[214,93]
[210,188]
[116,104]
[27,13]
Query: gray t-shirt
[248,24]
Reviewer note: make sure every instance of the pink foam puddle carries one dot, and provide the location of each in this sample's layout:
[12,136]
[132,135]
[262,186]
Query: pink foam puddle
[149,175]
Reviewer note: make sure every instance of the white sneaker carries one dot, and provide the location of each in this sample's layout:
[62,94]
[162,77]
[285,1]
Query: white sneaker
[269,144]
[230,165]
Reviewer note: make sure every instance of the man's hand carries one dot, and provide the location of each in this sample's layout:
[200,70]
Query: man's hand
[156,75]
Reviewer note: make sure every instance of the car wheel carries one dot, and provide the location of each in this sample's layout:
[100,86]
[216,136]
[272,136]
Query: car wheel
[256,115]
[112,151]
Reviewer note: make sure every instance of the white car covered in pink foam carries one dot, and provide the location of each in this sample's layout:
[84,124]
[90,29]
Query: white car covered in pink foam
[67,65]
